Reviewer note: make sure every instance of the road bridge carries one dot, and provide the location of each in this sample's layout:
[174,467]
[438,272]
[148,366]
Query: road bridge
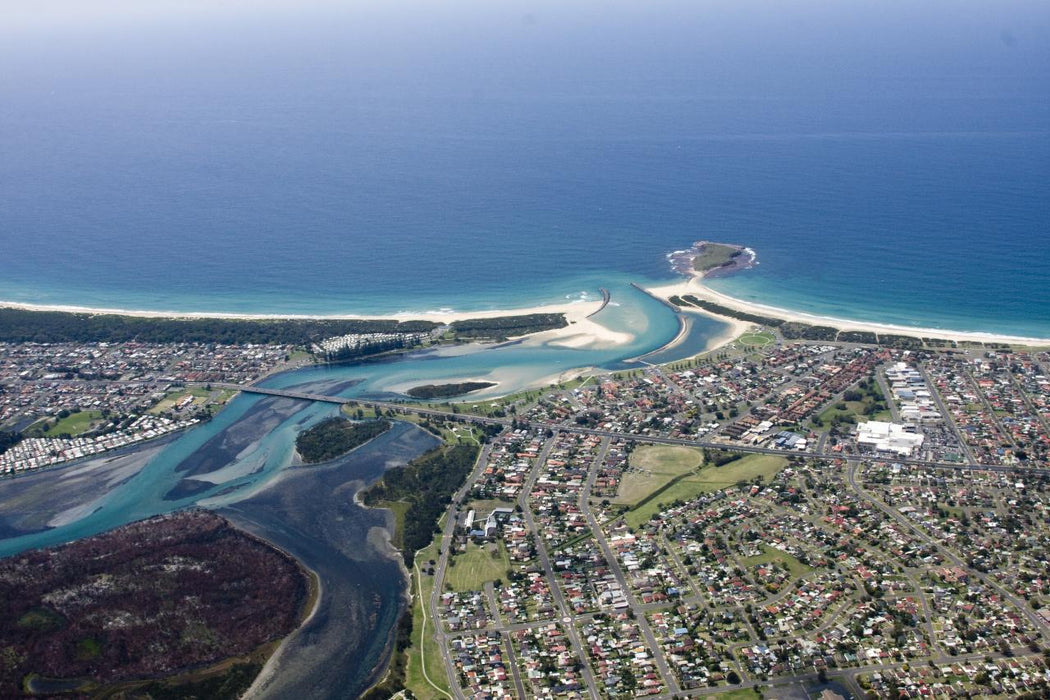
[635,437]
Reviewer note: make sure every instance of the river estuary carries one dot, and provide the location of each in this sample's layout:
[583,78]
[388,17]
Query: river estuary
[240,463]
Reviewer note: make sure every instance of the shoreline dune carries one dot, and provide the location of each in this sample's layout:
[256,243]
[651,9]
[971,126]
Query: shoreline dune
[697,288]
[581,331]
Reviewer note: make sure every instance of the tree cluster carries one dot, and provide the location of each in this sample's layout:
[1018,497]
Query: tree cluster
[335,436]
[426,484]
[21,326]
[8,439]
[444,391]
[507,326]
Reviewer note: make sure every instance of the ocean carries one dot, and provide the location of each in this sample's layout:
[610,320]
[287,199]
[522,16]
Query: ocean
[890,163]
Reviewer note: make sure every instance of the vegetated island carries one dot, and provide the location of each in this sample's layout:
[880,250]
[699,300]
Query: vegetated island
[175,606]
[444,391]
[709,259]
[418,494]
[333,437]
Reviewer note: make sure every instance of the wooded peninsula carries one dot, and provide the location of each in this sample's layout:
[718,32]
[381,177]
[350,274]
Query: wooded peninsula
[179,605]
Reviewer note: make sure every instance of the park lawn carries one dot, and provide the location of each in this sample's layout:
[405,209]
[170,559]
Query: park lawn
[367,412]
[772,555]
[853,408]
[710,478]
[424,649]
[743,469]
[476,566]
[652,468]
[760,339]
[74,424]
[739,694]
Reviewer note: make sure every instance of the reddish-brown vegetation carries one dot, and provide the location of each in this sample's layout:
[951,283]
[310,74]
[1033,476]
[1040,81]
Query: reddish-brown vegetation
[146,600]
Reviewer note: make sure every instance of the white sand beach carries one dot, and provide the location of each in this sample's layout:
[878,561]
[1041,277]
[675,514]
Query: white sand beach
[581,332]
[697,288]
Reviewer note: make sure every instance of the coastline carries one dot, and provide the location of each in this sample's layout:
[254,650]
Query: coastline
[582,331]
[696,287]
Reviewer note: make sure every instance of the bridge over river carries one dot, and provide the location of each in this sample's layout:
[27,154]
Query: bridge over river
[635,437]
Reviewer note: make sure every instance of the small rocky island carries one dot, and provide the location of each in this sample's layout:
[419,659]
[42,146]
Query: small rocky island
[709,259]
[179,605]
[336,436]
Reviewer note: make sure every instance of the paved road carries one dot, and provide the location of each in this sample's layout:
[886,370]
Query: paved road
[442,565]
[1036,620]
[654,439]
[566,617]
[668,678]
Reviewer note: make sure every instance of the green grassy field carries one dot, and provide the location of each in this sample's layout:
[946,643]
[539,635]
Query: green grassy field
[757,339]
[476,566]
[775,556]
[855,409]
[424,649]
[652,468]
[740,694]
[74,424]
[710,478]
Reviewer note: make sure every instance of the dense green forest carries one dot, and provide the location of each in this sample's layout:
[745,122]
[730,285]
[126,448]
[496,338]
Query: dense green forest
[444,391]
[21,326]
[335,436]
[793,330]
[426,484]
[507,326]
[18,325]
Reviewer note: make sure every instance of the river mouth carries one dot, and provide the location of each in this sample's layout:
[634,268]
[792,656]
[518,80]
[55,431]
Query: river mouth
[312,513]
[240,463]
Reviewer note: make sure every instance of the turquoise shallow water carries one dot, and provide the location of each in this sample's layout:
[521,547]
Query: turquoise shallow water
[250,442]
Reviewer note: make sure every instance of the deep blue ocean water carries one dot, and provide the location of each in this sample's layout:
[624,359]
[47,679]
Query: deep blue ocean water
[887,163]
